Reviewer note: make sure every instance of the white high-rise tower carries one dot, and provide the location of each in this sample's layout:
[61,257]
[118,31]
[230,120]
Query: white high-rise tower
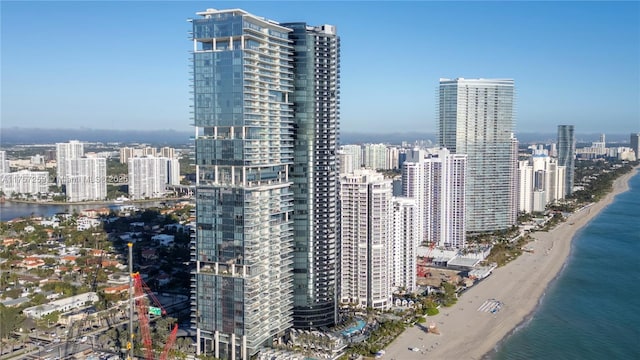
[476,118]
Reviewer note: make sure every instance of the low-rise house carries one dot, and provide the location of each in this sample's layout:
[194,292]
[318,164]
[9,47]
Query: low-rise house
[31,262]
[116,289]
[68,259]
[62,305]
[86,223]
[163,239]
[15,302]
[11,241]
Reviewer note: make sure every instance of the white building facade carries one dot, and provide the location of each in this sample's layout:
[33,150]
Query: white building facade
[86,179]
[366,227]
[476,118]
[147,177]
[24,182]
[404,267]
[541,182]
[65,152]
[356,155]
[375,156]
[4,163]
[436,179]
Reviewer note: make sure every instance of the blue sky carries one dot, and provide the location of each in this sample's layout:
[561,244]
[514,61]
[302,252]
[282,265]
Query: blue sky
[125,65]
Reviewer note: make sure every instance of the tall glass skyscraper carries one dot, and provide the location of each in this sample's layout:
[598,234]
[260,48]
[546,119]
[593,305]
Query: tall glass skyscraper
[243,82]
[567,154]
[634,143]
[266,116]
[476,118]
[316,60]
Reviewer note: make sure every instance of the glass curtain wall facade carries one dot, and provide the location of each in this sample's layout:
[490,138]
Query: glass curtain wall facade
[567,155]
[315,174]
[243,281]
[476,118]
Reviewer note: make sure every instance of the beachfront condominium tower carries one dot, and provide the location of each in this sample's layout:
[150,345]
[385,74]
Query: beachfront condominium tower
[435,178]
[66,151]
[404,245]
[541,181]
[314,174]
[567,154]
[476,118]
[243,92]
[366,211]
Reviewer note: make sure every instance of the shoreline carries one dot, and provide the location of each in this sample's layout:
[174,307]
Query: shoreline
[469,332]
[107,202]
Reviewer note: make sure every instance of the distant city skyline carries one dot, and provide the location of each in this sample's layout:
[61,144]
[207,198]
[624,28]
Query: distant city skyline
[125,65]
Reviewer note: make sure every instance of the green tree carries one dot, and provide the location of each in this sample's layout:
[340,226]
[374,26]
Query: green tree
[11,319]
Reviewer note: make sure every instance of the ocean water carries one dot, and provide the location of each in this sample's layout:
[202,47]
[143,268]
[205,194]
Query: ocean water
[592,309]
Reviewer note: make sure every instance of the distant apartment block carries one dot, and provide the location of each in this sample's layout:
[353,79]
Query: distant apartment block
[366,227]
[173,171]
[24,182]
[598,149]
[375,156]
[356,155]
[4,163]
[86,179]
[127,153]
[148,176]
[65,152]
[541,182]
[167,152]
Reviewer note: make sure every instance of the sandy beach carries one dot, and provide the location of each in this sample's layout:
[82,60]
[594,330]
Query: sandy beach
[469,330]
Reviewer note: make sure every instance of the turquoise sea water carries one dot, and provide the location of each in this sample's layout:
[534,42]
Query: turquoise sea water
[592,309]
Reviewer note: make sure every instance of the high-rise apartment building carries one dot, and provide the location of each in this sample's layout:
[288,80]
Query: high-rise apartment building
[567,154]
[375,156]
[24,182]
[404,245]
[4,164]
[393,157]
[513,186]
[476,118]
[86,178]
[147,177]
[250,121]
[366,211]
[541,181]
[128,152]
[167,152]
[435,178]
[345,161]
[634,142]
[314,173]
[66,151]
[356,154]
[173,171]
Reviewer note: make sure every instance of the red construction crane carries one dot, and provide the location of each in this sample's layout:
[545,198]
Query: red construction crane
[427,259]
[141,291]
